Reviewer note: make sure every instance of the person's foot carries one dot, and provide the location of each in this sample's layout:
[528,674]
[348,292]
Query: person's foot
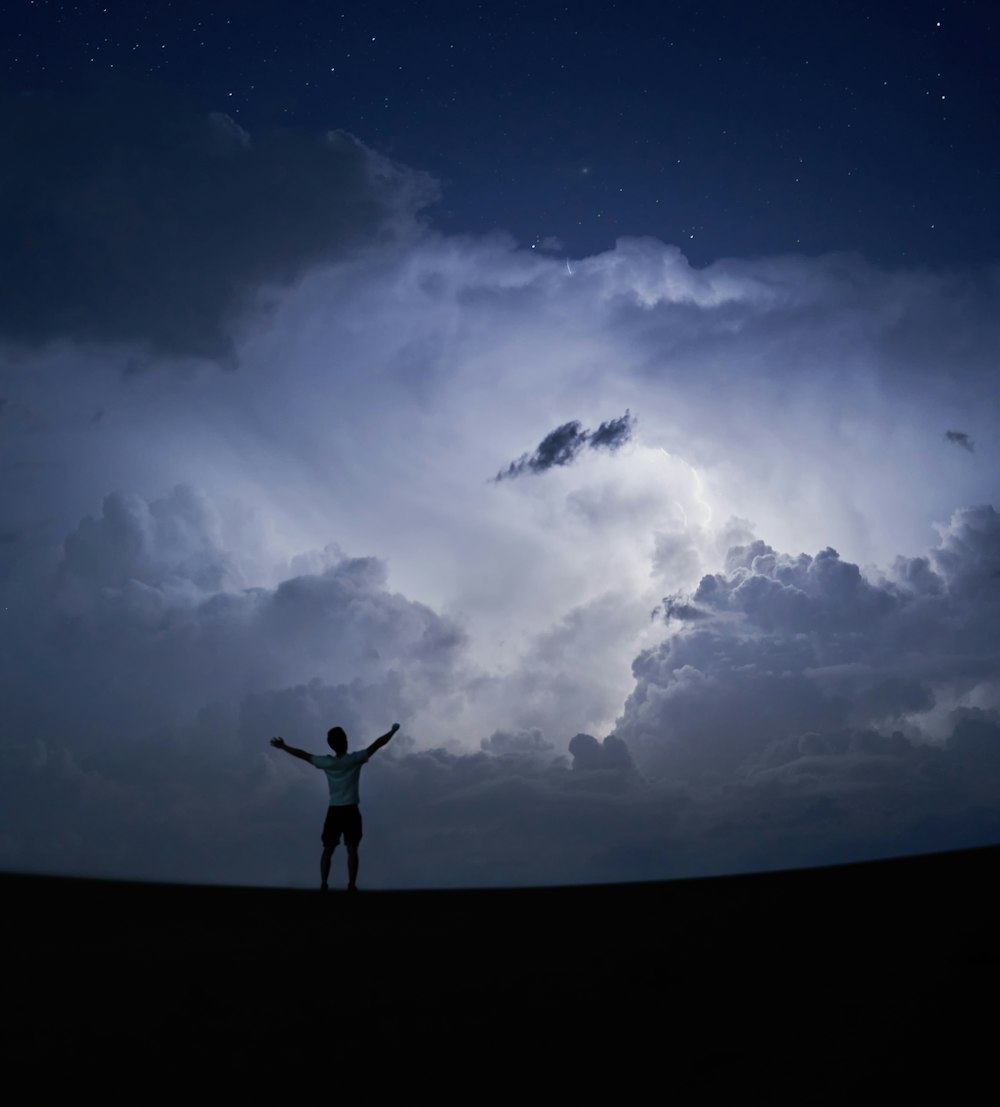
[352,887]
[324,888]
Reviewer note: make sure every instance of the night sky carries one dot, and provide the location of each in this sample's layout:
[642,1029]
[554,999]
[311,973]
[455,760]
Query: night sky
[729,129]
[607,393]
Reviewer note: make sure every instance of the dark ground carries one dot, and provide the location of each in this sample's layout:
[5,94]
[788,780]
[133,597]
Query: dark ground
[848,984]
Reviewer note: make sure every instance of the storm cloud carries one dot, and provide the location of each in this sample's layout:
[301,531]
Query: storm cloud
[195,561]
[810,713]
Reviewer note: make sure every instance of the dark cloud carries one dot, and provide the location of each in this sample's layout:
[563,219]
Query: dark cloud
[960,438]
[678,607]
[614,433]
[561,446]
[590,755]
[522,743]
[127,217]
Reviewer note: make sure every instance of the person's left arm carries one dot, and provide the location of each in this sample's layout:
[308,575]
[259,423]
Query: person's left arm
[380,742]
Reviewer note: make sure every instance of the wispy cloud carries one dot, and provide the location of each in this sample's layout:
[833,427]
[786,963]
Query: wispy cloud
[960,438]
[561,446]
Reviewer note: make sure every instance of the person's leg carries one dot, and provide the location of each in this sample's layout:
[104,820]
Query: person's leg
[331,839]
[352,839]
[324,866]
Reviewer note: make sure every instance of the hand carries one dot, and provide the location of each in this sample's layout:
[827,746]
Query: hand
[279,743]
[395,727]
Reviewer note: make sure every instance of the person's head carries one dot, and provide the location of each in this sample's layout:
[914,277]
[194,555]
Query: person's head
[336,739]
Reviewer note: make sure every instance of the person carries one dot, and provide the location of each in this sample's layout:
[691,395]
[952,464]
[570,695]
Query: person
[343,816]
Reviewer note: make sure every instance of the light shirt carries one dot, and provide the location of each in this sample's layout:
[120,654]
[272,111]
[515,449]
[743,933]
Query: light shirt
[342,775]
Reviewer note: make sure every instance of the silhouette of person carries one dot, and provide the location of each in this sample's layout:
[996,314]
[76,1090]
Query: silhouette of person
[343,816]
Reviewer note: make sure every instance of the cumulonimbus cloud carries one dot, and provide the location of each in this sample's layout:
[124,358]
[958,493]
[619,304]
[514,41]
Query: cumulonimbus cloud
[787,709]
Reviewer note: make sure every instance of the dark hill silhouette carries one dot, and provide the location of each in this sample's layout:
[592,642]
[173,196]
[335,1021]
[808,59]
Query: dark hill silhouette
[806,986]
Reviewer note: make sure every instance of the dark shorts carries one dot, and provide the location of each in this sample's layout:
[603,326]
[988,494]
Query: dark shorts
[342,820]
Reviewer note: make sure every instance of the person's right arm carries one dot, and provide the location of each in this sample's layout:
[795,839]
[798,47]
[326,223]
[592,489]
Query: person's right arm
[280,744]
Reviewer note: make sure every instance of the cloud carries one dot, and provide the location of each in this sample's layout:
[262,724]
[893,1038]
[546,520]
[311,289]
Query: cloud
[775,647]
[129,218]
[960,438]
[146,619]
[221,557]
[590,755]
[792,722]
[524,743]
[561,446]
[613,434]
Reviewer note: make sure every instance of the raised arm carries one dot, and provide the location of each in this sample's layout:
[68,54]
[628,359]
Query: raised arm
[280,744]
[380,742]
